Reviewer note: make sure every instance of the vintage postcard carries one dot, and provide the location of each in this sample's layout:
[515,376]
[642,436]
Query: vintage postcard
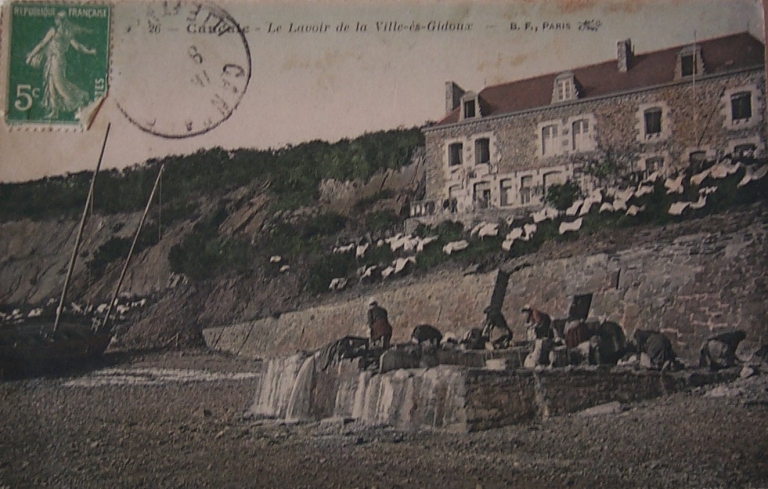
[383,243]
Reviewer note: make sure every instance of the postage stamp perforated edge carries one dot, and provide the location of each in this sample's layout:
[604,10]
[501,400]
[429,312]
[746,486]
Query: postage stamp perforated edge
[5,70]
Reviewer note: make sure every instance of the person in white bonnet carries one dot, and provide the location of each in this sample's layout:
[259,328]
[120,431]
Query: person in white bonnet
[538,324]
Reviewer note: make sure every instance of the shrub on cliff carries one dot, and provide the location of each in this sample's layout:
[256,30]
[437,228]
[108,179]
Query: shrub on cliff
[204,253]
[562,196]
[116,249]
[326,268]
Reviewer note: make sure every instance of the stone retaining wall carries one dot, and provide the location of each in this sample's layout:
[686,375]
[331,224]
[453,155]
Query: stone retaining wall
[691,288]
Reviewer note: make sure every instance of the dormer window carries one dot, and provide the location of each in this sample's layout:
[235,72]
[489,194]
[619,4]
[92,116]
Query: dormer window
[469,106]
[565,88]
[689,62]
[687,65]
[469,109]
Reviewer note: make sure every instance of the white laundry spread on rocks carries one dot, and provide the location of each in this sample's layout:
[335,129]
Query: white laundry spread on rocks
[678,207]
[455,246]
[574,208]
[570,226]
[753,175]
[674,186]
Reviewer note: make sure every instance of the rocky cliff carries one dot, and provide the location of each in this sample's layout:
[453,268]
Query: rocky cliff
[34,256]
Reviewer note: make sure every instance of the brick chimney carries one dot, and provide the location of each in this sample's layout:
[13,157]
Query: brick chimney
[624,55]
[453,94]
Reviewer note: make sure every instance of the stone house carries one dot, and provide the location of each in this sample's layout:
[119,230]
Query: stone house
[499,149]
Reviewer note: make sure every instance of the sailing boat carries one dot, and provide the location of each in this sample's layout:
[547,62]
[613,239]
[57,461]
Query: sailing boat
[42,346]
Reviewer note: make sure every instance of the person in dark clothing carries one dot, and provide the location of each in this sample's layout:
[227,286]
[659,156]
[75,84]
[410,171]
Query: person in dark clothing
[720,351]
[378,323]
[496,330]
[659,349]
[426,334]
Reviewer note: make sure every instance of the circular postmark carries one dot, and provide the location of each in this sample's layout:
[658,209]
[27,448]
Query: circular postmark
[180,69]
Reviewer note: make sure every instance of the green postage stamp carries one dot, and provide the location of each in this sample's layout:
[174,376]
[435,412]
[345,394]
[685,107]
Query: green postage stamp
[58,63]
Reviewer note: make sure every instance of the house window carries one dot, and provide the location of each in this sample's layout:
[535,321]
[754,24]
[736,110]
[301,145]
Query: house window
[526,189]
[744,151]
[652,122]
[482,151]
[482,195]
[697,159]
[697,156]
[505,188]
[741,106]
[687,64]
[548,135]
[469,109]
[455,151]
[454,191]
[552,178]
[653,164]
[580,132]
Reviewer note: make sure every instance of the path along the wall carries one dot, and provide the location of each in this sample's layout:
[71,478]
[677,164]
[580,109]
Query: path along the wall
[690,288]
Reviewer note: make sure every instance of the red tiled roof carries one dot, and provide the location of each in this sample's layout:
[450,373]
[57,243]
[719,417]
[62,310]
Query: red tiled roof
[722,54]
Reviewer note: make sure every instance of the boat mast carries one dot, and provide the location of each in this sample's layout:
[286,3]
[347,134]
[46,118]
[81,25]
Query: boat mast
[88,203]
[133,245]
[693,81]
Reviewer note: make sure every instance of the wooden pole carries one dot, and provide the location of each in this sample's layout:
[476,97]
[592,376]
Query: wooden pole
[133,245]
[88,203]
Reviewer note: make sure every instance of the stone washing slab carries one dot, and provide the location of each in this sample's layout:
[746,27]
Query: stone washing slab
[453,397]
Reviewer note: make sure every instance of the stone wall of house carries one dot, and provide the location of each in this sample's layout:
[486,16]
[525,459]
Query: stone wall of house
[691,288]
[694,117]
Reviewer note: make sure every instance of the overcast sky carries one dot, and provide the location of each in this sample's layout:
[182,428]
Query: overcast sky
[329,85]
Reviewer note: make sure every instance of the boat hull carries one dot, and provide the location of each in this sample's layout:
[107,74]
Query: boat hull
[31,348]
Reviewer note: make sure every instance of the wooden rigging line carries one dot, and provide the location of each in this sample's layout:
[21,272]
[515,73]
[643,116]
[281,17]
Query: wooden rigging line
[133,246]
[78,239]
